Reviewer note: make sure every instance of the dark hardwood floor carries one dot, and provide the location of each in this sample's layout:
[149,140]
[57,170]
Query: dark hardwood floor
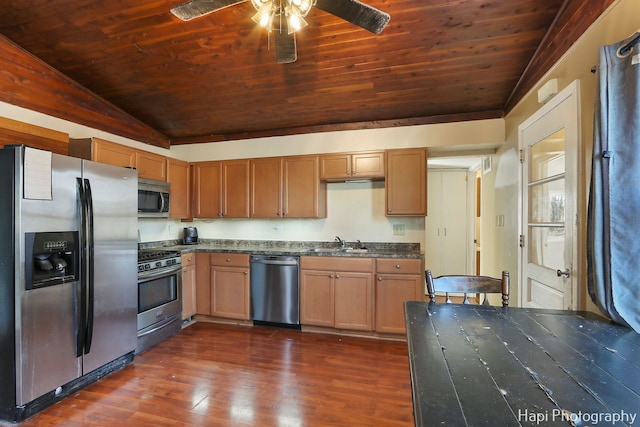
[222,375]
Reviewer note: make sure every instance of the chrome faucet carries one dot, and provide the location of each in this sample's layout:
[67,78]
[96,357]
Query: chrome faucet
[342,242]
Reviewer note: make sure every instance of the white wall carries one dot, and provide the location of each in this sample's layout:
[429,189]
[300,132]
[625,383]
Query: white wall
[472,133]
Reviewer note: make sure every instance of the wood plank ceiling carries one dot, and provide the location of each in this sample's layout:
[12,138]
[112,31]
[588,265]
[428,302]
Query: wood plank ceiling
[216,78]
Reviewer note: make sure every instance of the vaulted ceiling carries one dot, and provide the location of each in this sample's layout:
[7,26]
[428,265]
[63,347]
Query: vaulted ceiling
[216,78]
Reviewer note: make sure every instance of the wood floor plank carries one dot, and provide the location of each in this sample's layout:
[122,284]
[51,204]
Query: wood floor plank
[223,375]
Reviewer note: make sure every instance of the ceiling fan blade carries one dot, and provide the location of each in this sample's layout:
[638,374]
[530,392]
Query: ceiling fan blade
[285,47]
[197,8]
[356,12]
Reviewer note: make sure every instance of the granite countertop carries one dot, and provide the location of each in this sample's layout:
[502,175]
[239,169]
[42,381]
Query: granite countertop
[294,248]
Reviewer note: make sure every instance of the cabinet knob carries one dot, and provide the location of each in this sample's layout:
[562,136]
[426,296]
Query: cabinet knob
[398,266]
[228,259]
[331,276]
[379,278]
[246,273]
[337,276]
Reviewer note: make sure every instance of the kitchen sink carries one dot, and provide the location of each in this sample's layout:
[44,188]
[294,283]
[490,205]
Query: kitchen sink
[354,251]
[339,250]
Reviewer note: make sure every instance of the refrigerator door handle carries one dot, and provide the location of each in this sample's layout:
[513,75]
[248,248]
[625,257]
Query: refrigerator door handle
[82,298]
[90,268]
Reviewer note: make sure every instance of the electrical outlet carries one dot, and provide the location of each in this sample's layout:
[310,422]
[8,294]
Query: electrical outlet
[171,229]
[398,229]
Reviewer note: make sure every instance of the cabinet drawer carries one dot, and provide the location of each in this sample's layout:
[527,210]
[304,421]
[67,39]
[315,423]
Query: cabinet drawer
[188,259]
[235,260]
[364,265]
[399,266]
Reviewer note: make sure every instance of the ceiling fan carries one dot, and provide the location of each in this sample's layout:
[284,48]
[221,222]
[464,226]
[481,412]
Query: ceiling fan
[284,17]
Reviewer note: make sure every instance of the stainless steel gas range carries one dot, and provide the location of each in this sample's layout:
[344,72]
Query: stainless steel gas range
[159,296]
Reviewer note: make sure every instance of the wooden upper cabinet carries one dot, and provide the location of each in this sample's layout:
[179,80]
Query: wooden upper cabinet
[151,166]
[102,151]
[287,187]
[345,166]
[335,166]
[406,182]
[178,173]
[235,189]
[207,177]
[221,189]
[368,165]
[304,196]
[15,132]
[266,187]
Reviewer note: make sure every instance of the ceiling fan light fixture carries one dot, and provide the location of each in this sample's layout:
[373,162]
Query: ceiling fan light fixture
[295,21]
[264,16]
[303,7]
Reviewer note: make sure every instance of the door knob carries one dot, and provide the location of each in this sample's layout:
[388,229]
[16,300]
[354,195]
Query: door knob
[565,273]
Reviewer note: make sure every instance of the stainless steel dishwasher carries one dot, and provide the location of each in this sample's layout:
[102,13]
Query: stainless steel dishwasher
[275,290]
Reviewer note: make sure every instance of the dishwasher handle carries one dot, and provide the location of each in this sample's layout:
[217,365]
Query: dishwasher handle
[274,260]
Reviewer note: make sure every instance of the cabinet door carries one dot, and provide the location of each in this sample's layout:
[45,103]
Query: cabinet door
[392,290]
[230,292]
[188,285]
[235,189]
[203,283]
[446,243]
[178,177]
[335,166]
[113,154]
[303,194]
[353,301]
[406,182]
[151,166]
[206,188]
[367,165]
[266,187]
[316,298]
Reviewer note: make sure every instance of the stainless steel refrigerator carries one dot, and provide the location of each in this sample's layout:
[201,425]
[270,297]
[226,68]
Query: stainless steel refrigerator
[68,276]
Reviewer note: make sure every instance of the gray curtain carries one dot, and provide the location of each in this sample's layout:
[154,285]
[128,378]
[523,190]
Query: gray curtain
[613,228]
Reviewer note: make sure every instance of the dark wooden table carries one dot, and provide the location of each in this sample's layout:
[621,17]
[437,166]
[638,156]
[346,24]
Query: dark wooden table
[488,366]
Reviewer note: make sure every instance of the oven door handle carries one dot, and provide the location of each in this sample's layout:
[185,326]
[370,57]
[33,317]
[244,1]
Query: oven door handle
[158,273]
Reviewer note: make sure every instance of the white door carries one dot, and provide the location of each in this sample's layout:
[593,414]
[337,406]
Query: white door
[549,156]
[446,232]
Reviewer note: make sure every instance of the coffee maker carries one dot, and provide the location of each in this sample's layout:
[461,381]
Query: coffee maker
[190,236]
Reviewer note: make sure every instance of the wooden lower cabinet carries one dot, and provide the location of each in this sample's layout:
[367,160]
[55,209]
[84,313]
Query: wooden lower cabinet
[230,295]
[203,283]
[397,281]
[337,292]
[353,301]
[188,285]
[317,298]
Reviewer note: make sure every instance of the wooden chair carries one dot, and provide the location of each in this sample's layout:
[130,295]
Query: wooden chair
[469,285]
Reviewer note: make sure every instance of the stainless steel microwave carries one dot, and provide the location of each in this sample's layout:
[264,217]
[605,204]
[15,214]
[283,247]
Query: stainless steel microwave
[153,199]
